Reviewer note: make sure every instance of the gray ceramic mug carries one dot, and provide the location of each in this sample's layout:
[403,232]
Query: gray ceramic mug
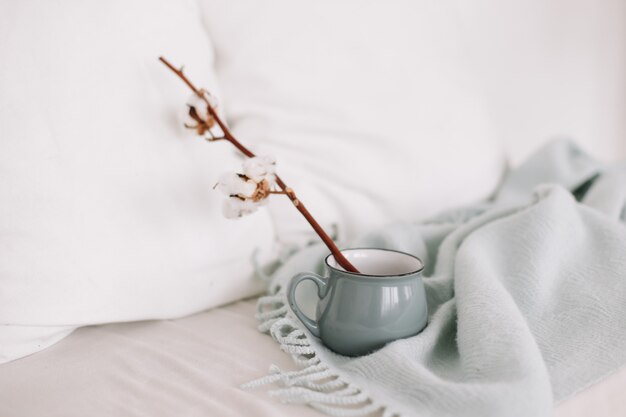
[359,313]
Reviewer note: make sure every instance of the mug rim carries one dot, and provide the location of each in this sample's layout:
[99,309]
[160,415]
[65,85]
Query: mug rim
[355,274]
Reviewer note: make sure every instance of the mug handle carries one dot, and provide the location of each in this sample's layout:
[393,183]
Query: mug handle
[322,289]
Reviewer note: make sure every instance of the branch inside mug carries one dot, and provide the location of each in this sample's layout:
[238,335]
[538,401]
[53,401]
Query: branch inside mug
[227,135]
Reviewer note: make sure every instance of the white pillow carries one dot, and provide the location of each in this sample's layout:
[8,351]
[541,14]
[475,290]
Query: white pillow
[370,107]
[106,207]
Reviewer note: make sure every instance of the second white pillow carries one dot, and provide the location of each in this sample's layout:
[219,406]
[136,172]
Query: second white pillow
[370,107]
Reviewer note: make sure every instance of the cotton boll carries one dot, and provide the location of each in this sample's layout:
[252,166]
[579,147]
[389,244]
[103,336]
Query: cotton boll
[246,188]
[234,207]
[231,208]
[200,106]
[259,168]
[231,183]
[271,179]
[226,182]
[186,118]
[270,161]
[254,168]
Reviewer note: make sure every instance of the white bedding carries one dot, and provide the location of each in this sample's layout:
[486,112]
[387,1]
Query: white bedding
[187,367]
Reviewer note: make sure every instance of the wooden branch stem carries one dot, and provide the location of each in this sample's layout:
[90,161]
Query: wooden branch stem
[227,135]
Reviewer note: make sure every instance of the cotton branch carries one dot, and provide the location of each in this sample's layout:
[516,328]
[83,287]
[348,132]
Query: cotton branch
[227,135]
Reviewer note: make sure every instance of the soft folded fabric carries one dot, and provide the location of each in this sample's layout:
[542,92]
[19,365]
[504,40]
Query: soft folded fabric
[106,207]
[526,303]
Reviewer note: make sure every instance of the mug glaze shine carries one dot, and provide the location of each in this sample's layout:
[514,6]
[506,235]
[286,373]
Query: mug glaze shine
[361,312]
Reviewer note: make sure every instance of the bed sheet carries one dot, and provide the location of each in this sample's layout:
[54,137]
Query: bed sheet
[186,367]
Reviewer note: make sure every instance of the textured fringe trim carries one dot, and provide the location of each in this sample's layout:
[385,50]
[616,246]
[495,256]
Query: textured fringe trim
[314,383]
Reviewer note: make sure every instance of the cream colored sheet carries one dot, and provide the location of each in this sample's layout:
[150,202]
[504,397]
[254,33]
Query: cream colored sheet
[187,367]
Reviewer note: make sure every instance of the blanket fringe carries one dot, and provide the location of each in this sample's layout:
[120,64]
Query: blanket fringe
[313,383]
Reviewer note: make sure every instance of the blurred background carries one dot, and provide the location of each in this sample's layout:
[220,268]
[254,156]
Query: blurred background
[553,69]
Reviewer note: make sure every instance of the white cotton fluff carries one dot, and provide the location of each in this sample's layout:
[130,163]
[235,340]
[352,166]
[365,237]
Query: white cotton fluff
[231,183]
[256,170]
[260,168]
[200,105]
[234,207]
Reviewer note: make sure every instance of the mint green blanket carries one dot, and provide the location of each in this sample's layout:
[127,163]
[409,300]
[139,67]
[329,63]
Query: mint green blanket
[527,300]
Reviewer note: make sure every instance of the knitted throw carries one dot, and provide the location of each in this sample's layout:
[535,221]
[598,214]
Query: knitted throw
[527,303]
